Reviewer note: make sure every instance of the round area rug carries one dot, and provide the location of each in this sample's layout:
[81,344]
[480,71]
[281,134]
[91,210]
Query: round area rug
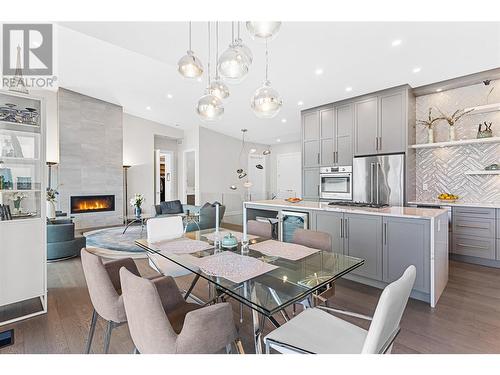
[113,243]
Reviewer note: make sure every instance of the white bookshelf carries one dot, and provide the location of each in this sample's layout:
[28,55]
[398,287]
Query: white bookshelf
[23,254]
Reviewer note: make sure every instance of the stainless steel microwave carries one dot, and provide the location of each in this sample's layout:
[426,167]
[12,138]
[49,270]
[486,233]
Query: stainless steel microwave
[336,182]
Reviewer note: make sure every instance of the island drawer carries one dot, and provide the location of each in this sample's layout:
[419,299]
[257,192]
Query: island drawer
[485,213]
[473,226]
[474,246]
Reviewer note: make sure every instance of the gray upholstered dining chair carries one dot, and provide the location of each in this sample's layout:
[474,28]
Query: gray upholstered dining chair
[176,326]
[317,331]
[103,282]
[316,240]
[312,238]
[261,229]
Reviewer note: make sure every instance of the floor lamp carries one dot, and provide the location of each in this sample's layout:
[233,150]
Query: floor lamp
[125,193]
[50,164]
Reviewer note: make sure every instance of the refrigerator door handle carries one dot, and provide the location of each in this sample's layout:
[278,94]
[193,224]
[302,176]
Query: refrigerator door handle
[371,181]
[378,186]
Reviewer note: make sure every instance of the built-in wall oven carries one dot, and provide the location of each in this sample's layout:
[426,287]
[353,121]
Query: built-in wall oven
[336,183]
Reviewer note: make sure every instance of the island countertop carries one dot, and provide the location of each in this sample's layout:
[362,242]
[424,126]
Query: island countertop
[458,203]
[396,211]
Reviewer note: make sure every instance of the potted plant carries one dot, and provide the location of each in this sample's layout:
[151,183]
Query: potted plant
[136,202]
[51,202]
[453,119]
[17,198]
[429,124]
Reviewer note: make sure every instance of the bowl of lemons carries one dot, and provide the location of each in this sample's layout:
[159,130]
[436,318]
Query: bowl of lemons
[447,197]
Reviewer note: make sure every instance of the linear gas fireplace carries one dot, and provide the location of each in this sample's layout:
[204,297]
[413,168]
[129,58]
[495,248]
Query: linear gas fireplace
[92,203]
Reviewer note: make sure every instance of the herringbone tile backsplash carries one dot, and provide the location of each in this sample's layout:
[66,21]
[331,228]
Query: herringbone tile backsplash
[442,169]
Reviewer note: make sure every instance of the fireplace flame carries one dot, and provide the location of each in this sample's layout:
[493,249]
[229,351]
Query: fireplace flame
[92,205]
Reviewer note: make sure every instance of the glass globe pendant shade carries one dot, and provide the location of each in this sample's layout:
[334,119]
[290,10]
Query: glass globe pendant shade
[244,50]
[266,102]
[210,108]
[189,66]
[263,30]
[233,65]
[219,89]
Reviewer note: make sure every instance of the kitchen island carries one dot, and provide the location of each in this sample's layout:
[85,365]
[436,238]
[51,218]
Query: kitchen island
[388,239]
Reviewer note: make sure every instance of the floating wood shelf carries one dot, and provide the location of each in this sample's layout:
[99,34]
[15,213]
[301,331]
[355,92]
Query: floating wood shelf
[461,142]
[483,172]
[483,109]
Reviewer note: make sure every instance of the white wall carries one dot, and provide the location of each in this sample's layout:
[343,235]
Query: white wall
[218,161]
[190,142]
[282,148]
[138,146]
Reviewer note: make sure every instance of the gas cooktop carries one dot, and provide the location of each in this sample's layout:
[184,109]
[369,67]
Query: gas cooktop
[358,204]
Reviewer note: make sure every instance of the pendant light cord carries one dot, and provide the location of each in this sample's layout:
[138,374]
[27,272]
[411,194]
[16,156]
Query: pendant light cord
[189,33]
[239,30]
[216,50]
[232,32]
[267,61]
[208,54]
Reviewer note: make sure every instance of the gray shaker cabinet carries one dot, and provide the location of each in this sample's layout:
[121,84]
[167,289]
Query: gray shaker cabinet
[327,142]
[392,129]
[311,153]
[406,242]
[311,138]
[366,126]
[331,223]
[363,239]
[310,121]
[310,181]
[344,125]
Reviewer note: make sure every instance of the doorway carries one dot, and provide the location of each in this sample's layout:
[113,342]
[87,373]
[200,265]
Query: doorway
[288,175]
[190,176]
[164,176]
[257,176]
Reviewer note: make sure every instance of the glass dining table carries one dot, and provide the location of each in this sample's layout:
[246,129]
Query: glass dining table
[268,294]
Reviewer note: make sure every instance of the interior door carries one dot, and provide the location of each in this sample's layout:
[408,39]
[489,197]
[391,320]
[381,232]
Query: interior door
[257,176]
[288,174]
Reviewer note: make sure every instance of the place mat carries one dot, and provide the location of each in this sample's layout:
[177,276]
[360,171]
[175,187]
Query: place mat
[285,250]
[234,267]
[222,233]
[181,245]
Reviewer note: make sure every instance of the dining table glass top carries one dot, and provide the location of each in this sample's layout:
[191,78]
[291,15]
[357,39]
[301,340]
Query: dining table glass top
[268,293]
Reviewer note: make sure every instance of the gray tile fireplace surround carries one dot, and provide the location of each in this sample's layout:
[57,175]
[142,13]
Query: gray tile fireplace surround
[91,155]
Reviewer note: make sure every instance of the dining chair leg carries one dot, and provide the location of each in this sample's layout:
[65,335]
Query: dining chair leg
[136,351]
[241,312]
[228,349]
[268,347]
[239,346]
[107,337]
[91,332]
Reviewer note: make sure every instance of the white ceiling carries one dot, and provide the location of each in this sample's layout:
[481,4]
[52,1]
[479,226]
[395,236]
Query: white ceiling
[134,64]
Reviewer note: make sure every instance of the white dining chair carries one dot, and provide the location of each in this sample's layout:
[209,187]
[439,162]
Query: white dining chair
[164,229]
[317,331]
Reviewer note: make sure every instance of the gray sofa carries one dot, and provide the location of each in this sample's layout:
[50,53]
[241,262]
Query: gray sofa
[207,213]
[61,240]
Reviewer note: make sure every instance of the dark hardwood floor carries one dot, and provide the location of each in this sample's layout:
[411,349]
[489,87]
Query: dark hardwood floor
[466,319]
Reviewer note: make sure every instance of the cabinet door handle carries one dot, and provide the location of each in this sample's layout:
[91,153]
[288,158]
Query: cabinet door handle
[318,157]
[376,143]
[346,228]
[385,234]
[318,191]
[473,212]
[341,228]
[471,226]
[474,246]
[380,143]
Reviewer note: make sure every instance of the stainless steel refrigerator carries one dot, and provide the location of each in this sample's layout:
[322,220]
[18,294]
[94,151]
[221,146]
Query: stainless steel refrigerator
[379,179]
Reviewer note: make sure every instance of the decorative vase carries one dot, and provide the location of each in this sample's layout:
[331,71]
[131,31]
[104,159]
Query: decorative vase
[51,210]
[17,204]
[430,135]
[452,133]
[138,212]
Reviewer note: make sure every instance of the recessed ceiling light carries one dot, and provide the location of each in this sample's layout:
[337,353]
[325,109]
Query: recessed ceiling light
[300,102]
[439,90]
[348,89]
[396,42]
[416,69]
[148,108]
[253,150]
[283,120]
[278,140]
[318,71]
[170,96]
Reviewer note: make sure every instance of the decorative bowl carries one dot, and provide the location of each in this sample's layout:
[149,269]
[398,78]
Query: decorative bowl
[229,241]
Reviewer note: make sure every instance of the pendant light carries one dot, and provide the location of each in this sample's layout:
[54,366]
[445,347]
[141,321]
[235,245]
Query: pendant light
[242,47]
[218,87]
[263,30]
[189,66]
[210,108]
[266,102]
[233,64]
